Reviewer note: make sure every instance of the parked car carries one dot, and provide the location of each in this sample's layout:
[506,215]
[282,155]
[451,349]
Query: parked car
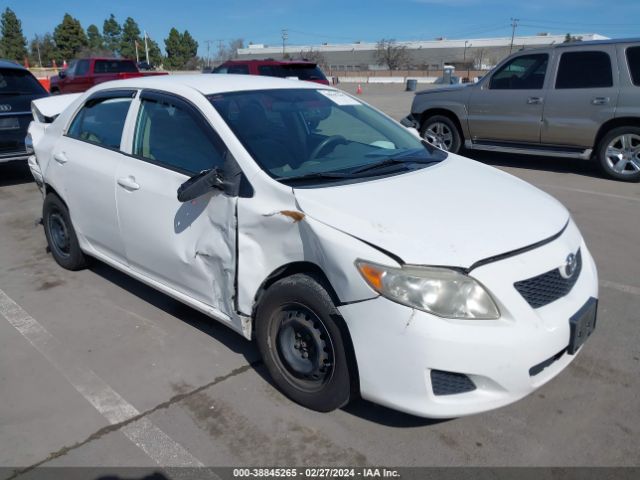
[18,87]
[576,100]
[362,259]
[300,69]
[84,73]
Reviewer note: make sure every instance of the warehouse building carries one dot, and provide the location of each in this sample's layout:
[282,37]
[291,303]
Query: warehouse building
[478,53]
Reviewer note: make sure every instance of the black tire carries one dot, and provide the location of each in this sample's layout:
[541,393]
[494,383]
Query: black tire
[431,132]
[296,317]
[54,91]
[625,171]
[61,237]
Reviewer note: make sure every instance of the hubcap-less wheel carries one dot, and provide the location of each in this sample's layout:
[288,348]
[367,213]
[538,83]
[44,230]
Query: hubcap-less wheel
[304,347]
[59,234]
[439,135]
[623,154]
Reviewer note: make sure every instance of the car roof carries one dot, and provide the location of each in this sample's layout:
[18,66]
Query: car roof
[209,83]
[9,64]
[582,43]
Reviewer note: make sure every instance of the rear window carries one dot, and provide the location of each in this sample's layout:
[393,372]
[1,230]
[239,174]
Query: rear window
[236,69]
[19,82]
[101,122]
[303,72]
[633,58]
[584,70]
[114,66]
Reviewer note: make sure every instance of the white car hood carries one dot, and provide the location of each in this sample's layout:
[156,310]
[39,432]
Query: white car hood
[454,213]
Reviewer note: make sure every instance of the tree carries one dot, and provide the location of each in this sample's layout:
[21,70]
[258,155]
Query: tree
[182,50]
[13,44]
[43,51]
[111,32]
[389,53]
[94,39]
[229,51]
[130,36]
[69,37]
[568,38]
[314,56]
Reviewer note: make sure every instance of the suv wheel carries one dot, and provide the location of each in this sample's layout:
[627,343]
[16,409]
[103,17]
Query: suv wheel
[441,132]
[302,344]
[61,237]
[618,154]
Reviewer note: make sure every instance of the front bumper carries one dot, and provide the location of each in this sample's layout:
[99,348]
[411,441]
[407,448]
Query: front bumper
[398,347]
[410,121]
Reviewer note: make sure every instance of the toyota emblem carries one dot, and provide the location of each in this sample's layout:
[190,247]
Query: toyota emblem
[570,266]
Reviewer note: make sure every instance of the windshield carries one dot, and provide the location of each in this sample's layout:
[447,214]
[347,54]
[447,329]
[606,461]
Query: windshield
[294,133]
[14,81]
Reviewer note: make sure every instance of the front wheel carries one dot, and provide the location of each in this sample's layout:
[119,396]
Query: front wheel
[302,344]
[618,154]
[442,132]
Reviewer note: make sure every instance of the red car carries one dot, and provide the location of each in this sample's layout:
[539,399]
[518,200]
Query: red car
[275,68]
[84,73]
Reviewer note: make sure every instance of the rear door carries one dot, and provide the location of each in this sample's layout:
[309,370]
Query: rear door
[189,247]
[508,106]
[583,95]
[84,164]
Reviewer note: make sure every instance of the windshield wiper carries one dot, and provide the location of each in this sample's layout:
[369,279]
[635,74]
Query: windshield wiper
[316,175]
[400,160]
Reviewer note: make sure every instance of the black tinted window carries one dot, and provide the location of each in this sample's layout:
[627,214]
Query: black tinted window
[171,135]
[114,66]
[521,73]
[633,58]
[101,122]
[82,68]
[303,72]
[18,82]
[584,70]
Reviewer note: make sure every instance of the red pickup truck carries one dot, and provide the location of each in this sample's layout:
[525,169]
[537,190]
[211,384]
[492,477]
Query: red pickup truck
[84,73]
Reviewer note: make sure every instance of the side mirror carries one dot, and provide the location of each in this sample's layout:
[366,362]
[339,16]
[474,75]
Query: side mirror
[200,184]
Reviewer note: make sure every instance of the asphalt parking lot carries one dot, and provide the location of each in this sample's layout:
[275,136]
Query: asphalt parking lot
[99,369]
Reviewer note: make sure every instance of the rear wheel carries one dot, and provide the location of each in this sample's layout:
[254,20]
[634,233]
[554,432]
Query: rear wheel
[61,237]
[442,132]
[618,154]
[302,344]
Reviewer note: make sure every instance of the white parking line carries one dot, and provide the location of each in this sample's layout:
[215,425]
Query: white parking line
[154,442]
[621,287]
[601,194]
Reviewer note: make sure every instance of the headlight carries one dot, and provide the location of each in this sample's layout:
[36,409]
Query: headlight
[441,291]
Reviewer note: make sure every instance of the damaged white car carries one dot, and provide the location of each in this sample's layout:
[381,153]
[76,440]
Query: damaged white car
[361,259]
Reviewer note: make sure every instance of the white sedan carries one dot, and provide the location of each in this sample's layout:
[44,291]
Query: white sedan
[361,259]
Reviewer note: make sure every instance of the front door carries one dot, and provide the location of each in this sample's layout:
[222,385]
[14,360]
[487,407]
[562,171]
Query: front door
[189,247]
[508,106]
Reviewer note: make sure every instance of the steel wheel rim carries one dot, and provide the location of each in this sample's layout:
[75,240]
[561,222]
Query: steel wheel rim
[59,234]
[623,154]
[298,331]
[439,135]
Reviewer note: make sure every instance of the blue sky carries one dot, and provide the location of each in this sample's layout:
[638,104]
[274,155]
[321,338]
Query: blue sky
[340,21]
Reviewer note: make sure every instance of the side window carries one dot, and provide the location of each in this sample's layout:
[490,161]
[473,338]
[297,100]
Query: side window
[633,59]
[170,134]
[238,69]
[521,73]
[82,68]
[584,70]
[101,121]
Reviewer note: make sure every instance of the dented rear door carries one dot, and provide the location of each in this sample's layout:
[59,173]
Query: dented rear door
[189,247]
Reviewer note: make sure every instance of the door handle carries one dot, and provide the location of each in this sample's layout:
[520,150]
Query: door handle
[600,100]
[534,100]
[60,157]
[129,183]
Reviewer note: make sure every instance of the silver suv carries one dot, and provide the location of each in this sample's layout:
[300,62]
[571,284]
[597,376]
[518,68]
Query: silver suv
[577,100]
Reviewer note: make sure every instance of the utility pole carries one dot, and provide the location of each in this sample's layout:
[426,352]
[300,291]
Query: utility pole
[514,24]
[146,47]
[208,42]
[285,36]
[38,47]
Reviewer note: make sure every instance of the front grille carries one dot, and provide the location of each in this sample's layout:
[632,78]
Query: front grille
[450,383]
[548,287]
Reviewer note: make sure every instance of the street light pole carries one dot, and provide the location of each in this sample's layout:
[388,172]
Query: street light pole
[514,24]
[285,36]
